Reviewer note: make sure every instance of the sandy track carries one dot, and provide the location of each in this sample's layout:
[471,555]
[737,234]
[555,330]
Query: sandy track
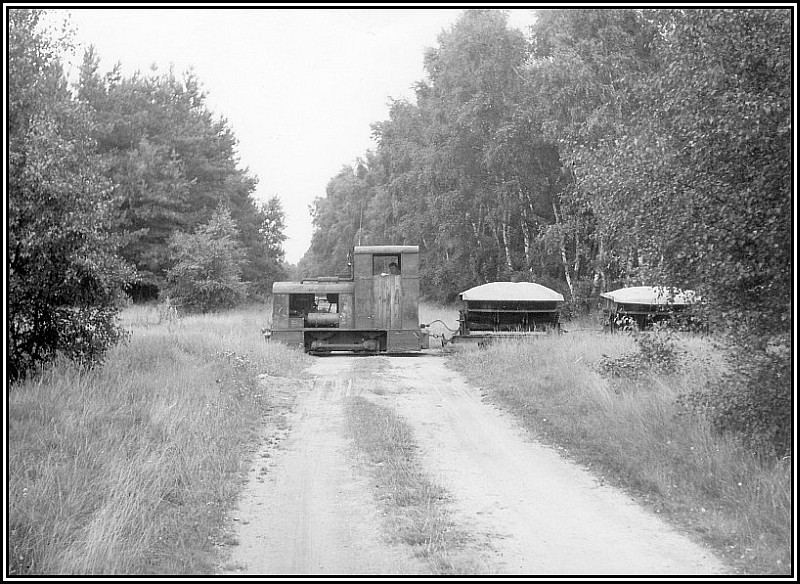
[312,513]
[528,511]
[539,513]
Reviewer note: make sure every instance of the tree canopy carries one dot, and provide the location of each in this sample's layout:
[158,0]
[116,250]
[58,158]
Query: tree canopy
[63,272]
[604,148]
[103,177]
[172,164]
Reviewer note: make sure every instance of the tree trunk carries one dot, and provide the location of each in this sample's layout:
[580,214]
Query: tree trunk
[525,204]
[526,241]
[506,246]
[600,272]
[563,248]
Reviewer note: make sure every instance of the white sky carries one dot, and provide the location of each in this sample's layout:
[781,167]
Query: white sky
[299,87]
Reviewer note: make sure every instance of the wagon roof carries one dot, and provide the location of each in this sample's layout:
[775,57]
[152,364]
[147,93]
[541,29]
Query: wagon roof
[652,295]
[516,291]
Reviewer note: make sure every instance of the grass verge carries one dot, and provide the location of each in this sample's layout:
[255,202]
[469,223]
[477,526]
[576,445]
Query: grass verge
[633,434]
[131,468]
[416,508]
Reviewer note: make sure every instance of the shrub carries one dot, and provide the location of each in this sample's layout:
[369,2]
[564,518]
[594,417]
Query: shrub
[207,273]
[752,400]
[658,349]
[657,354]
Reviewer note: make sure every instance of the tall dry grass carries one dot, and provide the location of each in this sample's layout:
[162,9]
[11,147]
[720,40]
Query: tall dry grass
[131,467]
[633,433]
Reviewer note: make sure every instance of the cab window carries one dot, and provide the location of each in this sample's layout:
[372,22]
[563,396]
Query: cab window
[327,303]
[386,264]
[300,304]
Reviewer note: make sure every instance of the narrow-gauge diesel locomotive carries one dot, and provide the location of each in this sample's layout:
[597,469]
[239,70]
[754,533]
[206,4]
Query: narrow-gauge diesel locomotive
[373,309]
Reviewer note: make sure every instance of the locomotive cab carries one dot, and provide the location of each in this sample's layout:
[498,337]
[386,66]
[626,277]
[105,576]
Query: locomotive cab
[374,309]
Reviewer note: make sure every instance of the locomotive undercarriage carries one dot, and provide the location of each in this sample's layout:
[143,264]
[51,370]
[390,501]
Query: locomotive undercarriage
[326,341]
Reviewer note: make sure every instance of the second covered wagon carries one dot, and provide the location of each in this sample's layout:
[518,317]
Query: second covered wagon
[642,306]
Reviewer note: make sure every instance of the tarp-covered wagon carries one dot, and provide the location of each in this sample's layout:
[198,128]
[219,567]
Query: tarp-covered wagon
[507,309]
[642,306]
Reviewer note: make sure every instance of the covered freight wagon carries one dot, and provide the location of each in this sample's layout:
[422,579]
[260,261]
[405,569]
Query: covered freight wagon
[507,309]
[642,306]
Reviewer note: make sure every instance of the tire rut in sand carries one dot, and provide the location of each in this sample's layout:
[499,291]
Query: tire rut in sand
[526,510]
[541,513]
[313,514]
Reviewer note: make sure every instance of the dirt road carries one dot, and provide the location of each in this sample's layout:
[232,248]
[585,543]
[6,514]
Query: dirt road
[310,510]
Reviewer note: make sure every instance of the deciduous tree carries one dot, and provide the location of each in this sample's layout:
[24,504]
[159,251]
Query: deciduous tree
[64,276]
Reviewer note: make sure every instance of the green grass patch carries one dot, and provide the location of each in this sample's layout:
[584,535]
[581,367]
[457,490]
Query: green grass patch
[416,508]
[130,468]
[631,431]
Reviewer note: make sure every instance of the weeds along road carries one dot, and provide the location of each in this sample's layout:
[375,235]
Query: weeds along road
[520,507]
